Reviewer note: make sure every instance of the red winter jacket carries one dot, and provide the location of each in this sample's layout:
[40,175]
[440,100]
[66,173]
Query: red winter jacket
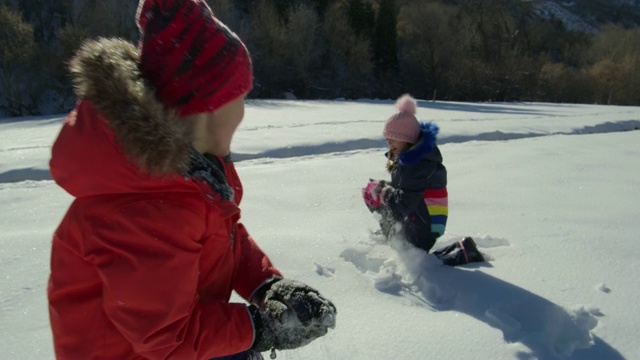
[142,266]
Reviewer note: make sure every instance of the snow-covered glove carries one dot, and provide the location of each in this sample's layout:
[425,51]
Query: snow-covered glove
[289,314]
[264,337]
[383,193]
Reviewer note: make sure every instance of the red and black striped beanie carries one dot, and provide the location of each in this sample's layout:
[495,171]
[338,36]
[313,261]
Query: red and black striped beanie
[195,62]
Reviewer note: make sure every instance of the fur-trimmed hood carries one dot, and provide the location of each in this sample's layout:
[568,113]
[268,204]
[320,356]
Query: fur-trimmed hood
[119,138]
[424,148]
[106,73]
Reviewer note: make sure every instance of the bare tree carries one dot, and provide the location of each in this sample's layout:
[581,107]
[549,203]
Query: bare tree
[630,66]
[614,53]
[608,80]
[69,39]
[107,18]
[45,16]
[228,12]
[614,43]
[429,45]
[267,43]
[348,67]
[303,50]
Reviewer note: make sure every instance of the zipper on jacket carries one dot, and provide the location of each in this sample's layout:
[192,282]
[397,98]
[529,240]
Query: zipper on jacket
[233,236]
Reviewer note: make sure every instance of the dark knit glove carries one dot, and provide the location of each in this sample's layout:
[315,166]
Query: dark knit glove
[290,314]
[264,338]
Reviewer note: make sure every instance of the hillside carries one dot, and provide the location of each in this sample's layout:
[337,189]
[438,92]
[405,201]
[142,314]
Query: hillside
[589,15]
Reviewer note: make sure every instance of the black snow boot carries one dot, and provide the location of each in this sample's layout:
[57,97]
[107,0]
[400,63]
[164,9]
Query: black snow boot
[442,253]
[467,253]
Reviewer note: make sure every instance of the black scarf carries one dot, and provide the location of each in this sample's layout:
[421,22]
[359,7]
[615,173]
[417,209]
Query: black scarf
[209,169]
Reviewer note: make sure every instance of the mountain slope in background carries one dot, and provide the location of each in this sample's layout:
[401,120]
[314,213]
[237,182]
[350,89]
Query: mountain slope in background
[590,15]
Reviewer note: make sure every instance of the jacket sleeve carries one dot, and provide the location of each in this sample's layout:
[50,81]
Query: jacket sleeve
[405,196]
[149,268]
[256,267]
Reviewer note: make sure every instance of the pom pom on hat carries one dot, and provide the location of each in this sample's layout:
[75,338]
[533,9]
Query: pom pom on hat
[403,126]
[406,103]
[195,62]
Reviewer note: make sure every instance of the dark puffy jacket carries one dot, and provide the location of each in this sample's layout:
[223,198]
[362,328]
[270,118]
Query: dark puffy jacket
[419,196]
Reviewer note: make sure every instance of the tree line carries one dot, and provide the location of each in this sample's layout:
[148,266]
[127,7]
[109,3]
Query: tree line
[464,50]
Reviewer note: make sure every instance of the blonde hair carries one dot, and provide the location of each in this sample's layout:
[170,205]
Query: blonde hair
[392,162]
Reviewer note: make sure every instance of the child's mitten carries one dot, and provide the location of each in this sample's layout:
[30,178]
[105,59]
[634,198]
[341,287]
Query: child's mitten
[371,194]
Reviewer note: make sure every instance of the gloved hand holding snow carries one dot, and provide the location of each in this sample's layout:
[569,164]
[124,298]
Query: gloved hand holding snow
[371,194]
[289,315]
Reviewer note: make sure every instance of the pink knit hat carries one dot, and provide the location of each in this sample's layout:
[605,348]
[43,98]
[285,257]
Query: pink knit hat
[403,126]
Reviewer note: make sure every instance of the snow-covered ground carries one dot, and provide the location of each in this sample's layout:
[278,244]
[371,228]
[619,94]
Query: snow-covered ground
[551,193]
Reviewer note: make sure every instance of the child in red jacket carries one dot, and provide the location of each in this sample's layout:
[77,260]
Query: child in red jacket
[145,260]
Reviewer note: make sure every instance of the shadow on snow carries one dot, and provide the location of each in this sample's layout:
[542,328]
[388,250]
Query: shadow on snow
[549,330]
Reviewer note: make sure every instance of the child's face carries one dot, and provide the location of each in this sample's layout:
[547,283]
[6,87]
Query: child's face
[397,146]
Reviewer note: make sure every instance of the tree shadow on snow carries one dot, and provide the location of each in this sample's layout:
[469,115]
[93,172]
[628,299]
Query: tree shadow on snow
[549,330]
